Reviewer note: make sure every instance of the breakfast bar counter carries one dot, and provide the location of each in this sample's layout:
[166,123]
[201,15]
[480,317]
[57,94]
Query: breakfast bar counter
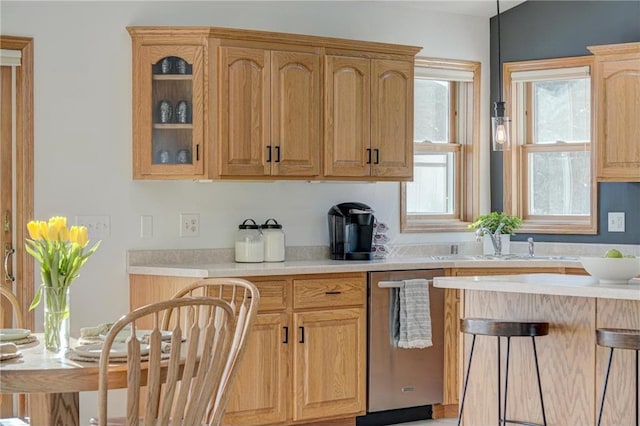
[572,366]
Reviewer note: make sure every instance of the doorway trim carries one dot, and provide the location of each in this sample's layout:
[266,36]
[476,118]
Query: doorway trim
[24,170]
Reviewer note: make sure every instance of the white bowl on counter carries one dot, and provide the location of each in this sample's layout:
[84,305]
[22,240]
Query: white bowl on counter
[612,270]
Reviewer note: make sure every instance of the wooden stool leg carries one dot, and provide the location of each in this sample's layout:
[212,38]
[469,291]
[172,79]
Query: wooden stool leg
[535,357]
[466,380]
[604,390]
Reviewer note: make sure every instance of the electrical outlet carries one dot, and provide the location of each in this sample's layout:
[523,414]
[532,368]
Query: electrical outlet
[616,222]
[189,224]
[98,226]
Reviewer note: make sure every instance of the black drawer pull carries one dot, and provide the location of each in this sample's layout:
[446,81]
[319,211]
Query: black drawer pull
[377,156]
[368,155]
[286,334]
[301,335]
[332,292]
[268,153]
[278,154]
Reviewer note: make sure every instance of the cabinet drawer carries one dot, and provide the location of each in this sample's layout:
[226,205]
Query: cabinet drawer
[329,292]
[273,295]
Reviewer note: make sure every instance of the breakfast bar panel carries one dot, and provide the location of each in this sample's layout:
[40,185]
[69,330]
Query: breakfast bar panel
[572,365]
[566,358]
[619,404]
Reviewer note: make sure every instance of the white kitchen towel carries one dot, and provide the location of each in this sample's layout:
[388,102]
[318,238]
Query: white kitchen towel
[414,315]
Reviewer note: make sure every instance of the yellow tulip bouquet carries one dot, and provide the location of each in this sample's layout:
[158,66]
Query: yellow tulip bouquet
[61,253]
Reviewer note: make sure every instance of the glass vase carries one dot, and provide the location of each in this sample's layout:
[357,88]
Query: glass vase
[56,318]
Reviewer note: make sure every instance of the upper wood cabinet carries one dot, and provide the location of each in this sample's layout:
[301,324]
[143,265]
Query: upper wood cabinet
[169,103]
[617,103]
[368,118]
[269,109]
[242,104]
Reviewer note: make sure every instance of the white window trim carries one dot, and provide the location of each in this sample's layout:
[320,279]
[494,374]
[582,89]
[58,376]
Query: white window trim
[514,172]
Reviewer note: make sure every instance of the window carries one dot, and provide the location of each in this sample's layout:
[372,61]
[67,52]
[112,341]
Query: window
[443,195]
[549,172]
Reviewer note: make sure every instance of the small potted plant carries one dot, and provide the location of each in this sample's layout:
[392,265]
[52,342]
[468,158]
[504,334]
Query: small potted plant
[491,222]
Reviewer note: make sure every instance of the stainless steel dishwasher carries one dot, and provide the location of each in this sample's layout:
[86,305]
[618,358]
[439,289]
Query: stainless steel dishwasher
[401,378]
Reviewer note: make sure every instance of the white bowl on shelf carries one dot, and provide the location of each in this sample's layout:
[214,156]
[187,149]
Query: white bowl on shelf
[612,270]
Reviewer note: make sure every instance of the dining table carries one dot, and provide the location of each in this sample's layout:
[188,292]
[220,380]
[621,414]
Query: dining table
[53,382]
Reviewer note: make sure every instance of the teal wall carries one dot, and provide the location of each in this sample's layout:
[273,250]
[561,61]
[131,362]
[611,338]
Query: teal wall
[551,29]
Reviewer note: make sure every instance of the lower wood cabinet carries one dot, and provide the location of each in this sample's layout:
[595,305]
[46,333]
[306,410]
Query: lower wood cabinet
[305,358]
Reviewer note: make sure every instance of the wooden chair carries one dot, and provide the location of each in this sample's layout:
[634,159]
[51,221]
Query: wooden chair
[180,375]
[244,297]
[6,402]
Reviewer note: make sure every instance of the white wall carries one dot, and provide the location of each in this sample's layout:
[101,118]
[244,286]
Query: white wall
[83,127]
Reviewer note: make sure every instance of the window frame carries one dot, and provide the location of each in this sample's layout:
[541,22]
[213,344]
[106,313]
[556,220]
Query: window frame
[466,155]
[515,161]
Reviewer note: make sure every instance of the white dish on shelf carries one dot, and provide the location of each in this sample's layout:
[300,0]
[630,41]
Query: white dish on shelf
[10,334]
[118,350]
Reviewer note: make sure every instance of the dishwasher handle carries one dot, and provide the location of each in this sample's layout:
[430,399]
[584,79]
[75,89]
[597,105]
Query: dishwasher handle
[395,284]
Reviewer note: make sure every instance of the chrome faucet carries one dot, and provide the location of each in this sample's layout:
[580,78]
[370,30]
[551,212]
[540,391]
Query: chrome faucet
[531,247]
[495,238]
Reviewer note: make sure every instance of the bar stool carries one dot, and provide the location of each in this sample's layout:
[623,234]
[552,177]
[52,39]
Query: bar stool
[618,338]
[508,329]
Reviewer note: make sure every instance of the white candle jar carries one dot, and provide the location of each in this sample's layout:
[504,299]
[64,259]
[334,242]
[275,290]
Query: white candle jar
[273,236]
[249,243]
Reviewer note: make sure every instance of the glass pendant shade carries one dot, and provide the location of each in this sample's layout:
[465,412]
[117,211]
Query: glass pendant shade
[500,130]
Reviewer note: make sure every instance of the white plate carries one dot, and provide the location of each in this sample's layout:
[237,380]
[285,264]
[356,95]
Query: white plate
[9,334]
[126,332]
[4,357]
[118,350]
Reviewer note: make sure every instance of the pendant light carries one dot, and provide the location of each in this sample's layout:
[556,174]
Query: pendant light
[500,132]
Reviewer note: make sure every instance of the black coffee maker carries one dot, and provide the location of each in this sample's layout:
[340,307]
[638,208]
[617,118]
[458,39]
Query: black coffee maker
[351,231]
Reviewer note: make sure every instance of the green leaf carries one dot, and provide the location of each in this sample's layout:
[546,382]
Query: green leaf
[36,299]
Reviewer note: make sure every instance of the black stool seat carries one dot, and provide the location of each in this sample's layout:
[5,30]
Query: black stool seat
[493,327]
[619,338]
[507,329]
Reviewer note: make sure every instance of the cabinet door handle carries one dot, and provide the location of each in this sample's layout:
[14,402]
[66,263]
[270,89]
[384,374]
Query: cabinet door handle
[268,153]
[368,155]
[286,334]
[301,335]
[197,152]
[277,153]
[8,251]
[377,156]
[333,292]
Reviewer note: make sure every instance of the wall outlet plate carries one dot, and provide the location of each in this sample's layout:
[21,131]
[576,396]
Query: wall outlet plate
[98,226]
[615,221]
[189,224]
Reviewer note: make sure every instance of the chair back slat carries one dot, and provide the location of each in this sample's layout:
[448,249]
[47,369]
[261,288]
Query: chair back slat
[153,372]
[174,377]
[133,379]
[244,298]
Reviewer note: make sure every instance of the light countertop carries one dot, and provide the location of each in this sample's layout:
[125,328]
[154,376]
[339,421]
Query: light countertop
[231,269]
[549,284]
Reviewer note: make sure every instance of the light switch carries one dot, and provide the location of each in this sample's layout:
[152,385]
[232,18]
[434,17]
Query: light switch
[616,222]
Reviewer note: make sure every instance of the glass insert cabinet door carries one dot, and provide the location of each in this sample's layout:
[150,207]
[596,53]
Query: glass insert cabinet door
[169,112]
